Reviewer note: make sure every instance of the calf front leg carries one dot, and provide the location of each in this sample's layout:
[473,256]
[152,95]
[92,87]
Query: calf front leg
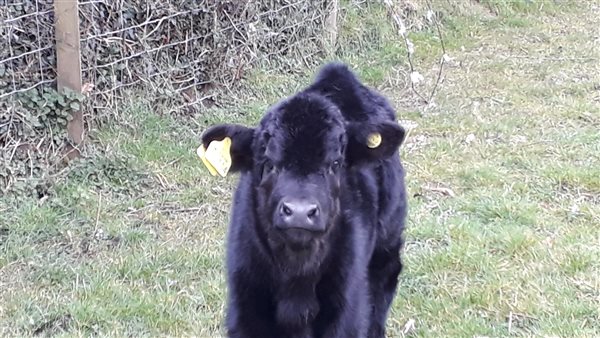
[251,310]
[384,268]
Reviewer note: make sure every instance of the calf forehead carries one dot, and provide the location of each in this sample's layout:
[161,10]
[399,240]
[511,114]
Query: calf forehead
[307,133]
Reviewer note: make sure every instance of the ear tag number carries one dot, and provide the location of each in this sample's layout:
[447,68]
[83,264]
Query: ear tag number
[374,140]
[216,158]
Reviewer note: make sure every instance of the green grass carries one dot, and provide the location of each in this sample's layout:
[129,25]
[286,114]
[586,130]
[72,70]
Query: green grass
[503,178]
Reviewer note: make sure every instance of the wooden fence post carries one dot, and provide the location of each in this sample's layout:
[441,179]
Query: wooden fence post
[68,62]
[331,29]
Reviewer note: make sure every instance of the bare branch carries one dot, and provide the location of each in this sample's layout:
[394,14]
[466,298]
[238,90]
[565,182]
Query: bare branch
[402,30]
[444,55]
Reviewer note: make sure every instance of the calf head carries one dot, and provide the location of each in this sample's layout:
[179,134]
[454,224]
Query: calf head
[297,158]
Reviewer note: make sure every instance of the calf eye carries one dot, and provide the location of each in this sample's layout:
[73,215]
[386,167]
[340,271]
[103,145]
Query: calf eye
[335,166]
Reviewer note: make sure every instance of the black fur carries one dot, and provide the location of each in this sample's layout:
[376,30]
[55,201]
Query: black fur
[335,273]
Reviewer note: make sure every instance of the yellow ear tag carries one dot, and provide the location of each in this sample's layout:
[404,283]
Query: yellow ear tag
[201,151]
[216,158]
[374,140]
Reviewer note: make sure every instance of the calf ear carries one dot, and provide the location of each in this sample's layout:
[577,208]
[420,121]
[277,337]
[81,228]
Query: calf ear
[368,142]
[241,143]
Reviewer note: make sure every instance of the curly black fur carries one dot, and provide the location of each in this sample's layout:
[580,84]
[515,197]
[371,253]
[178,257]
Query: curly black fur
[336,275]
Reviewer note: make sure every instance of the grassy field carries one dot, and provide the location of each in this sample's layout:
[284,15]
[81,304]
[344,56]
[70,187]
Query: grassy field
[503,176]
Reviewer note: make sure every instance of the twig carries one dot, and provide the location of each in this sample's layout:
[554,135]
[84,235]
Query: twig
[409,327]
[98,214]
[443,58]
[180,210]
[542,58]
[441,190]
[30,162]
[409,49]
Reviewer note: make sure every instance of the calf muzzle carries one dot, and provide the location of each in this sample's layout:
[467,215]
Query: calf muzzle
[300,214]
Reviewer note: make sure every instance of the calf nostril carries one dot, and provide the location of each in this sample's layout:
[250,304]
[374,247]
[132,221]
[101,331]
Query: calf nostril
[286,210]
[313,212]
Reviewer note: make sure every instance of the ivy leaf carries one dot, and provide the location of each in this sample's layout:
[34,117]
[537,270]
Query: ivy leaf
[61,101]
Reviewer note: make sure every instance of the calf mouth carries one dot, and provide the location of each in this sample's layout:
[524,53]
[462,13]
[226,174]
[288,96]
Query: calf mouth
[297,251]
[297,239]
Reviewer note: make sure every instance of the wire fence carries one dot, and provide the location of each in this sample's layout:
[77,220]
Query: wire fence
[27,55]
[177,50]
[177,54]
